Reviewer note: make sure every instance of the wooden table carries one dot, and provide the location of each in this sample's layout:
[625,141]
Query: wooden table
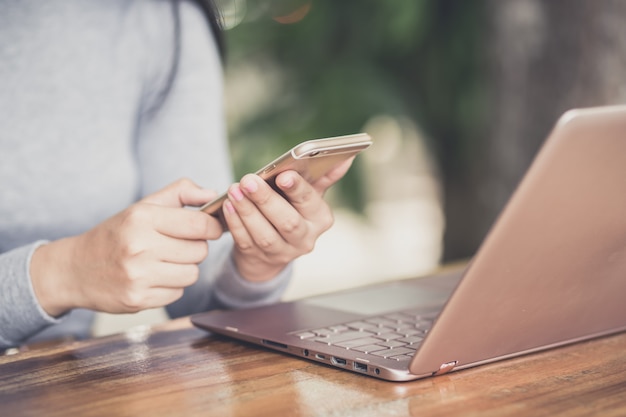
[177,370]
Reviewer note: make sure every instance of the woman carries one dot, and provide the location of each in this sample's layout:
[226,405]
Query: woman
[111,113]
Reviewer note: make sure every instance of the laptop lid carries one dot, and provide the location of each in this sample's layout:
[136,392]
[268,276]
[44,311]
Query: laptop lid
[553,268]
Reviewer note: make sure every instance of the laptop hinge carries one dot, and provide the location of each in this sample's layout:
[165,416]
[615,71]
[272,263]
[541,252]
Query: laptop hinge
[445,368]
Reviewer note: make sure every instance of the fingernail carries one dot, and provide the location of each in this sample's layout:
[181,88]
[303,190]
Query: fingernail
[286,181]
[250,185]
[236,193]
[229,206]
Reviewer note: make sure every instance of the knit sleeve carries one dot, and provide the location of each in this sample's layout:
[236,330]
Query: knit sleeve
[20,312]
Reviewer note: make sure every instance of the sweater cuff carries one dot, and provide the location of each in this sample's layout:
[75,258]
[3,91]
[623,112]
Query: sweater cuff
[234,291]
[21,315]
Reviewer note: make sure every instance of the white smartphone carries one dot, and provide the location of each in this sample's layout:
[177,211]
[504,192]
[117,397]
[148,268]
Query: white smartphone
[311,159]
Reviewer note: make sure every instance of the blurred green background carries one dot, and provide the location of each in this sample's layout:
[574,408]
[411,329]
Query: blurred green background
[482,80]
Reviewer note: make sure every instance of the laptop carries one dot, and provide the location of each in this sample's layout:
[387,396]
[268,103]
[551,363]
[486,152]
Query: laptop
[551,271]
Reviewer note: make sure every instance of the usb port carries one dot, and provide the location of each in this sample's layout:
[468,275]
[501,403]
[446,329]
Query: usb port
[338,361]
[361,367]
[320,356]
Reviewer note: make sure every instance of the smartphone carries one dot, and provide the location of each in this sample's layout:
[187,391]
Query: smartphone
[312,159]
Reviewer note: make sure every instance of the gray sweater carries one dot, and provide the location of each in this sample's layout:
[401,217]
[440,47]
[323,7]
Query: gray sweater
[88,126]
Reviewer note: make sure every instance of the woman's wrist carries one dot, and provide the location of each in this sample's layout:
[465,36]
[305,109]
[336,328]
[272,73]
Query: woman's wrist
[254,270]
[49,273]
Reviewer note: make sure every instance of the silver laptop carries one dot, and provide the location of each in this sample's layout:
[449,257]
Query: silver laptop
[551,271]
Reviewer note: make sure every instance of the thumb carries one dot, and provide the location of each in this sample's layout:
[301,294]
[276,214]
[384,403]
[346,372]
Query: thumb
[180,193]
[332,176]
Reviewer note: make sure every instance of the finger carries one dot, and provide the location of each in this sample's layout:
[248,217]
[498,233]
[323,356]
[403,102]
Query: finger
[332,176]
[180,193]
[156,297]
[170,275]
[182,223]
[162,283]
[237,229]
[250,246]
[277,211]
[195,196]
[252,198]
[253,216]
[181,251]
[304,197]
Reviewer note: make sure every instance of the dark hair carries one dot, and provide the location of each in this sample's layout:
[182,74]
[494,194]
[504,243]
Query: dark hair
[215,22]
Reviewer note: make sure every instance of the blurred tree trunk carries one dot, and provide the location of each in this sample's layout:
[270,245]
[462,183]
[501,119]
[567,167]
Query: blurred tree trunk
[544,57]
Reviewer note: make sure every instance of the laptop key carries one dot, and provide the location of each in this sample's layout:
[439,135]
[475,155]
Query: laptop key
[361,325]
[371,349]
[393,352]
[423,324]
[411,340]
[323,332]
[351,344]
[412,332]
[402,326]
[390,336]
[393,344]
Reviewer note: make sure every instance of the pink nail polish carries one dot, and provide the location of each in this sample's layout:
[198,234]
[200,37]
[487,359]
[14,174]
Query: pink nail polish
[236,193]
[250,185]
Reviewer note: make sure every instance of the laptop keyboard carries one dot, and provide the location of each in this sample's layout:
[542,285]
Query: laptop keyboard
[394,336]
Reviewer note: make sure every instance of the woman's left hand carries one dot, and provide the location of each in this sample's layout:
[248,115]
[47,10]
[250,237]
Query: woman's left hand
[270,231]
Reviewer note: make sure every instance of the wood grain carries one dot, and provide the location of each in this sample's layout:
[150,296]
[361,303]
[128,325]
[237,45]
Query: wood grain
[177,370]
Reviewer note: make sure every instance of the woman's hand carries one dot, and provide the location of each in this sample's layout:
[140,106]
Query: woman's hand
[270,231]
[140,258]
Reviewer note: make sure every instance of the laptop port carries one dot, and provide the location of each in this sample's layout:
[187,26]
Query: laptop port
[275,344]
[361,367]
[338,361]
[320,356]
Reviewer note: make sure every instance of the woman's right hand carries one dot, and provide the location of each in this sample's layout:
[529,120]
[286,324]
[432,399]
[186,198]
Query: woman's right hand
[141,258]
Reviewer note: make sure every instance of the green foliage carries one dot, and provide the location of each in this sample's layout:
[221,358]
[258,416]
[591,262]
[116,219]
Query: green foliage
[349,60]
